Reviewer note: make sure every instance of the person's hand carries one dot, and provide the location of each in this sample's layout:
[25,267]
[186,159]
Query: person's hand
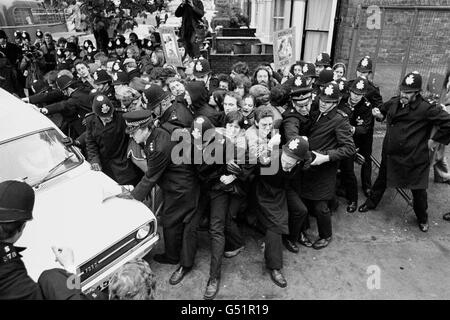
[233,168]
[377,113]
[432,145]
[125,195]
[352,129]
[320,158]
[227,179]
[65,258]
[44,110]
[96,166]
[26,99]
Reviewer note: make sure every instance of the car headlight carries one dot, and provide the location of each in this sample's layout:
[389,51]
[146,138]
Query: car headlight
[143,232]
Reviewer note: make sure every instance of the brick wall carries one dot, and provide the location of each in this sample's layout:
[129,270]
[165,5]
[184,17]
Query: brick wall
[430,43]
[221,63]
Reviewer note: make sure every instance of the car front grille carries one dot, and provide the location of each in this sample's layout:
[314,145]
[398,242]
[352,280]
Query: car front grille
[108,256]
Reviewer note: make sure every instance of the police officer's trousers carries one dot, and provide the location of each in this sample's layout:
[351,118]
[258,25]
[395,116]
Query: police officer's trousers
[297,214]
[420,197]
[321,210]
[348,179]
[273,251]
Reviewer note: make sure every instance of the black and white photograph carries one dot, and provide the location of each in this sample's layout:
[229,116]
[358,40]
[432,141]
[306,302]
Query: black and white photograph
[255,154]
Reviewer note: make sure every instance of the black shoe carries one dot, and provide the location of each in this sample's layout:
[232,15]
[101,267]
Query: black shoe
[364,208]
[321,243]
[178,275]
[446,216]
[278,278]
[211,288]
[162,258]
[352,207]
[423,227]
[290,245]
[304,240]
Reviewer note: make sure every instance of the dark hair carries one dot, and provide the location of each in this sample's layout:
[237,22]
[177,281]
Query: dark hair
[157,73]
[235,116]
[51,76]
[226,78]
[9,229]
[218,96]
[269,80]
[279,96]
[243,80]
[263,112]
[241,68]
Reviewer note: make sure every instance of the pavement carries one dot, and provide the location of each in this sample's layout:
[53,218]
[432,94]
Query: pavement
[380,254]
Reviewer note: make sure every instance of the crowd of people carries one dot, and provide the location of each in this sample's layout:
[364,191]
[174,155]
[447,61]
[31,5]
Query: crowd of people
[266,148]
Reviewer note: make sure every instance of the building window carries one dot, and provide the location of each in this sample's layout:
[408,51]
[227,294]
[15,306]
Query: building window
[22,16]
[279,14]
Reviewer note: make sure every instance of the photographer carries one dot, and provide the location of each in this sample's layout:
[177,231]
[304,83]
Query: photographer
[32,65]
[192,27]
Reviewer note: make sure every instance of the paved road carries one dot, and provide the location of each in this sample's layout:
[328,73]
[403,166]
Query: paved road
[412,264]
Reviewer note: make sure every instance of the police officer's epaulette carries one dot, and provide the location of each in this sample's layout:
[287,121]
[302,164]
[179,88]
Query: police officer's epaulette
[342,113]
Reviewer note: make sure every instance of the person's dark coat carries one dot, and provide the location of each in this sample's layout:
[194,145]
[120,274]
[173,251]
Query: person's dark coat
[15,283]
[271,197]
[200,107]
[107,145]
[293,124]
[329,134]
[177,116]
[178,181]
[74,109]
[191,18]
[7,75]
[406,142]
[12,52]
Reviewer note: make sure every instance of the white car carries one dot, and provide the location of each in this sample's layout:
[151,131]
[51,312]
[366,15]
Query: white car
[75,207]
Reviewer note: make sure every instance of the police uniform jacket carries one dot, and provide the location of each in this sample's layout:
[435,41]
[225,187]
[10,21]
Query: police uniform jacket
[293,124]
[329,134]
[15,283]
[77,104]
[405,145]
[178,181]
[177,116]
[360,116]
[107,145]
[272,199]
[47,97]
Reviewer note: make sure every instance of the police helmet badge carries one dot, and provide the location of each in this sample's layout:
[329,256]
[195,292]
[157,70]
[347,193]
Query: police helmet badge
[305,68]
[118,42]
[115,77]
[294,144]
[319,57]
[365,62]
[298,81]
[199,67]
[409,80]
[329,90]
[95,75]
[360,85]
[341,85]
[105,108]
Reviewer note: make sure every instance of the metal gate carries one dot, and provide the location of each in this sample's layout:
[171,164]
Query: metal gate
[402,39]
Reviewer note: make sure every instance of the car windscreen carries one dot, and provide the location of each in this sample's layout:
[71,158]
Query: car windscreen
[36,158]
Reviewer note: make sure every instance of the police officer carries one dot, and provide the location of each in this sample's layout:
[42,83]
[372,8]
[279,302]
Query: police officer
[179,184]
[325,76]
[323,61]
[174,115]
[405,156]
[277,199]
[111,47]
[16,209]
[120,46]
[107,143]
[74,108]
[331,140]
[359,111]
[296,117]
[103,84]
[364,69]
